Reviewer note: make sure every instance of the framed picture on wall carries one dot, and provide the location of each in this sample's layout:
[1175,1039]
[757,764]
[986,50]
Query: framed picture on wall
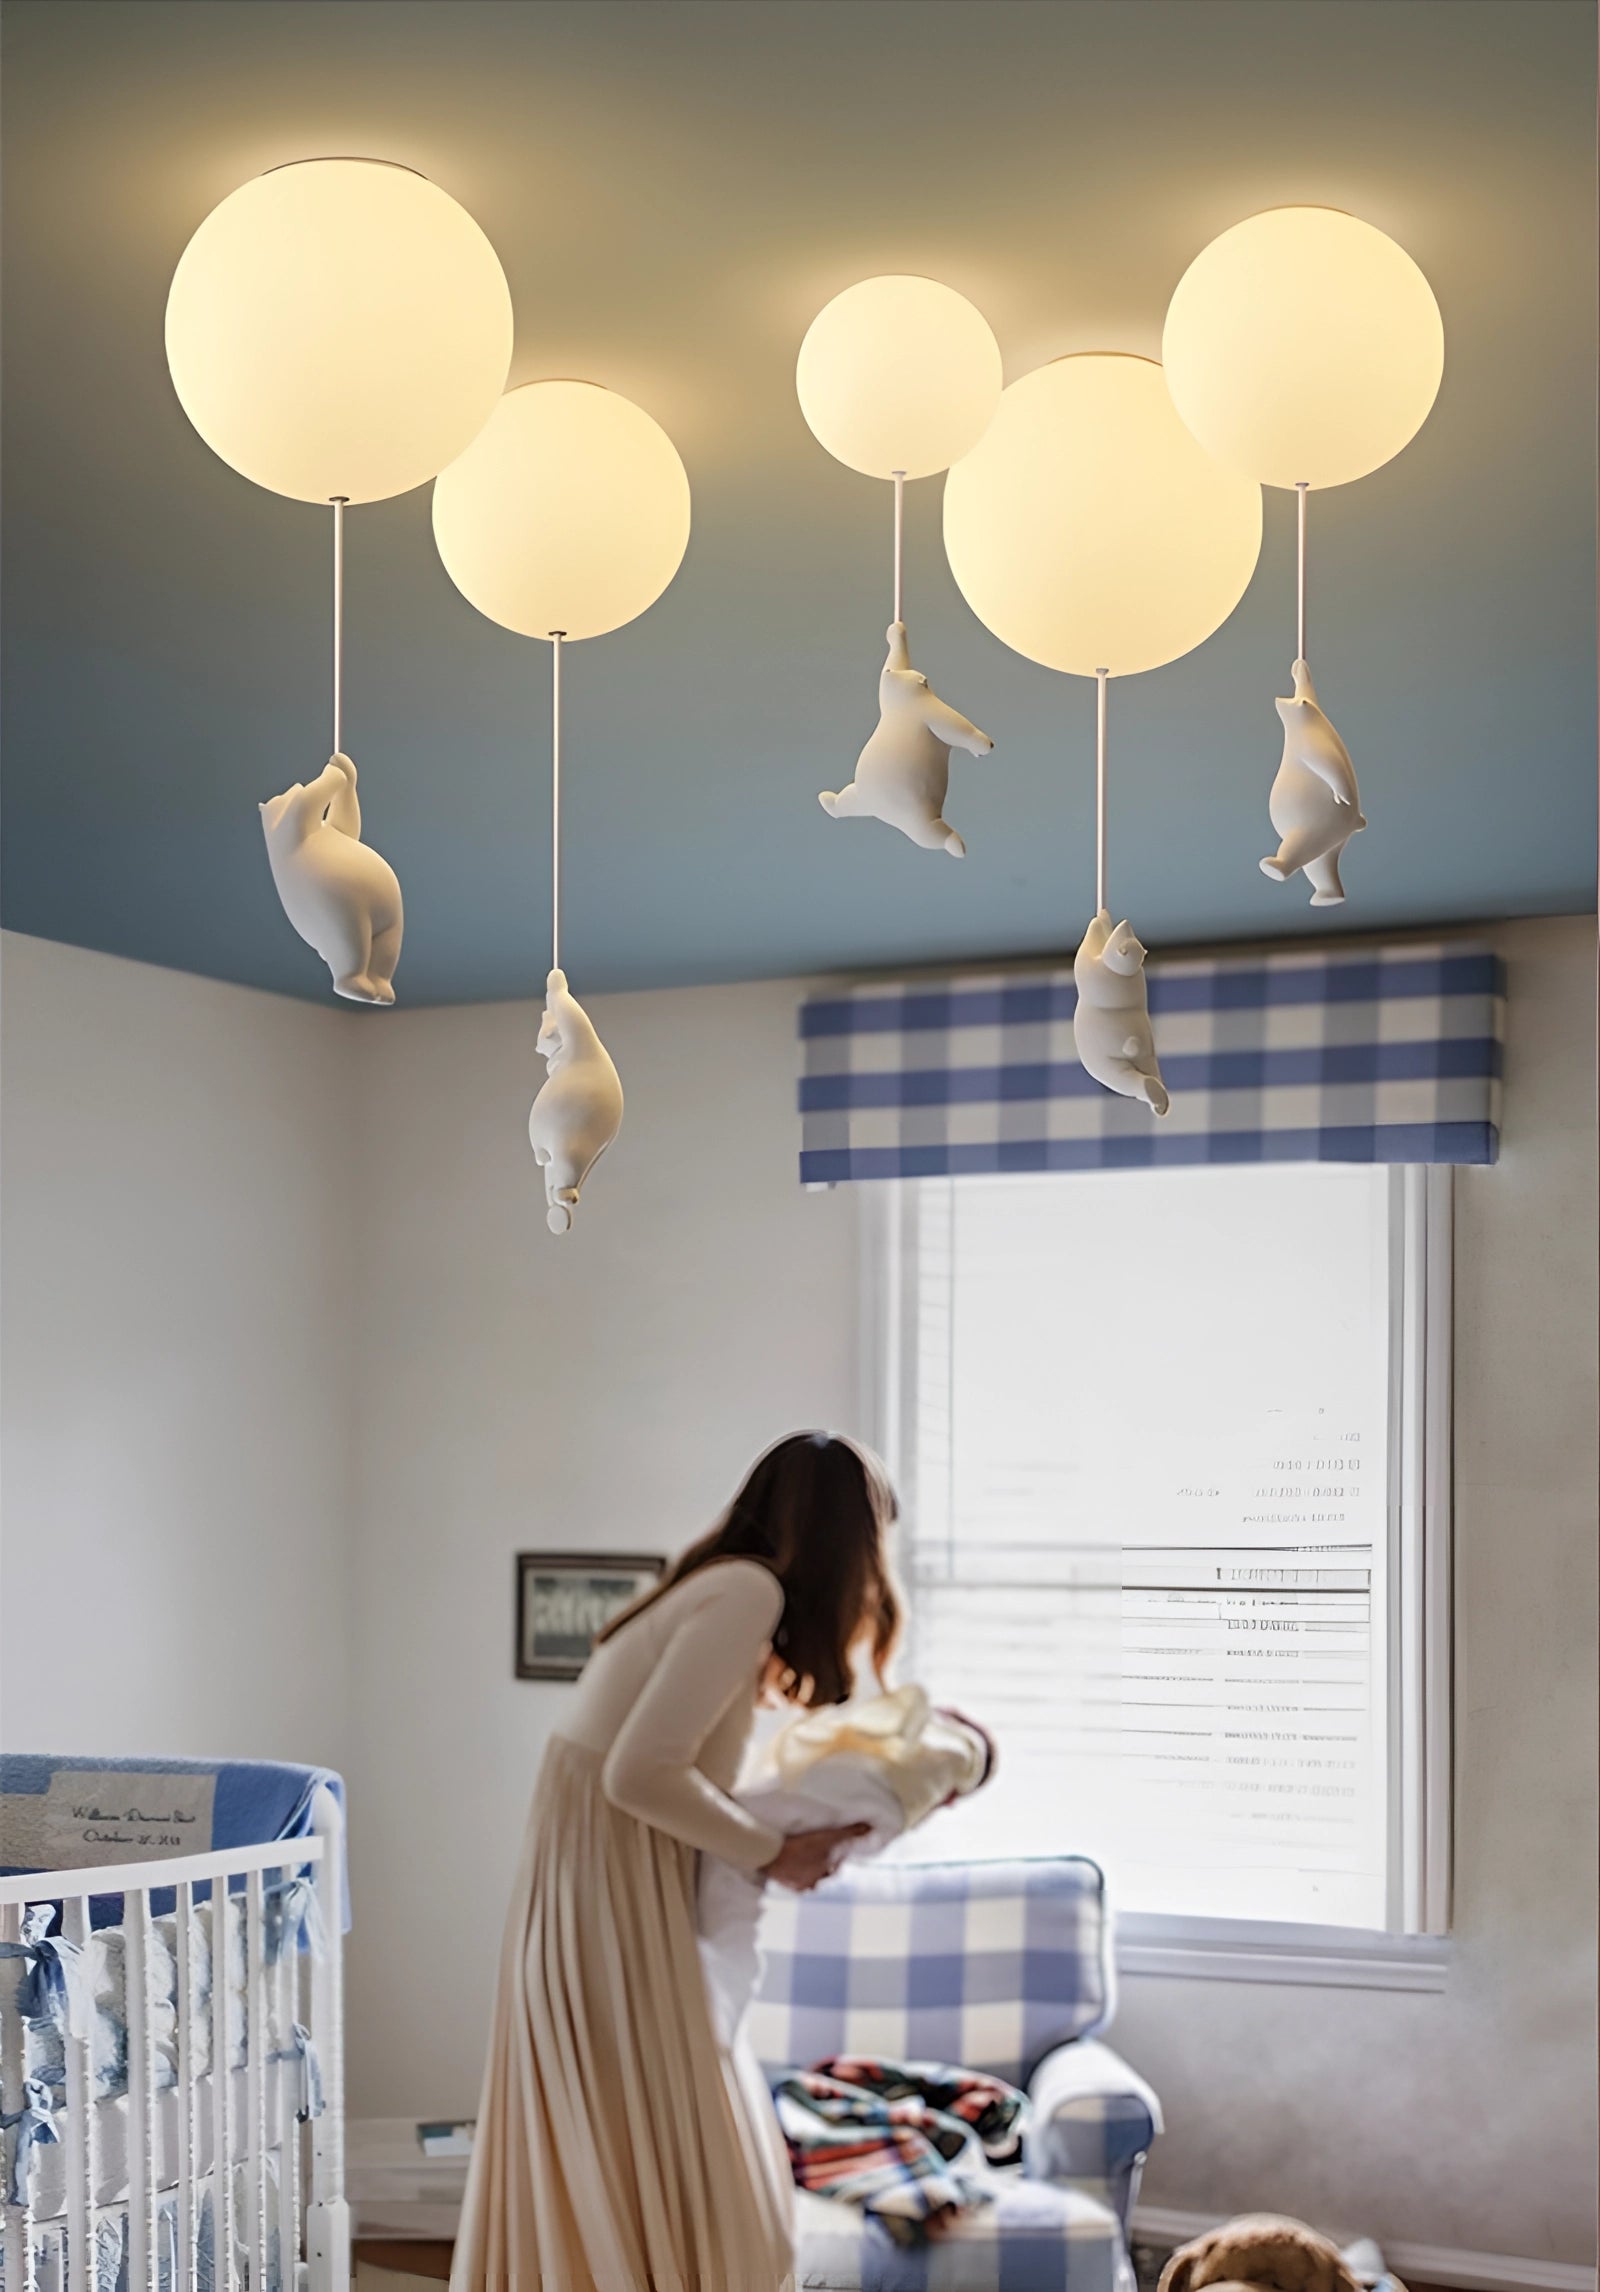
[564,1598]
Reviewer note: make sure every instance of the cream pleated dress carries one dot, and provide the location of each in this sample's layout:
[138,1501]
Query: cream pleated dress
[619,2149]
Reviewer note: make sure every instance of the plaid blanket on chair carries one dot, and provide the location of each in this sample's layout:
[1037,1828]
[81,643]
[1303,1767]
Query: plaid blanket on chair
[907,2141]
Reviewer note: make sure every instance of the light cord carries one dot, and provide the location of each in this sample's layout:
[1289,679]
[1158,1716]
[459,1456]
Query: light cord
[556,636]
[899,542]
[1100,789]
[338,501]
[1301,488]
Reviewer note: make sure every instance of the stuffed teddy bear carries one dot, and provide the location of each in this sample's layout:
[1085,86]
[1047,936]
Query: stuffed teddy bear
[1111,1026]
[903,773]
[341,896]
[1263,2252]
[579,1107]
[1315,804]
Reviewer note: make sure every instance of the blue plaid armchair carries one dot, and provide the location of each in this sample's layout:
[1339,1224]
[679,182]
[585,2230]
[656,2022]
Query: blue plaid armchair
[999,1966]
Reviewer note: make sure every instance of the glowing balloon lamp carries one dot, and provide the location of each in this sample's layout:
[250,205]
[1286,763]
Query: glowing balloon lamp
[1089,530]
[566,517]
[1304,347]
[898,376]
[569,511]
[339,328]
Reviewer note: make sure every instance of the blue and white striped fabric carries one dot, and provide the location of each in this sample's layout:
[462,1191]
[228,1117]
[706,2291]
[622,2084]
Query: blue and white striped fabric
[985,1964]
[1385,1054]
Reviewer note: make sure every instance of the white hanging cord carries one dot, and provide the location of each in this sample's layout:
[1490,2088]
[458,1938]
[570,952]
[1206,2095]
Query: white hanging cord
[899,540]
[556,636]
[1300,580]
[339,500]
[1100,789]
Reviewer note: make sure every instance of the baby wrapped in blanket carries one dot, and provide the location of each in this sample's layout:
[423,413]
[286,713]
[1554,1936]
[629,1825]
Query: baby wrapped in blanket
[887,1763]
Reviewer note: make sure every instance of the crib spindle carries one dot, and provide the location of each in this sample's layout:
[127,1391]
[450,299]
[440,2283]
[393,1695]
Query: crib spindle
[80,2141]
[141,2094]
[255,2070]
[287,1976]
[188,2256]
[224,2260]
[328,2220]
[20,2262]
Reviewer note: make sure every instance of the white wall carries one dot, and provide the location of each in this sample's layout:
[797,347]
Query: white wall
[181,1363]
[174,1449]
[601,1391]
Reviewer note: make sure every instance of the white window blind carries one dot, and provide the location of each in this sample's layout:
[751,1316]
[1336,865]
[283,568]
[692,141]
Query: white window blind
[1161,1439]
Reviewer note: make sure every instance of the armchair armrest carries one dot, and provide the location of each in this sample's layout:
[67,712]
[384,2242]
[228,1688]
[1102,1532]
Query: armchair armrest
[1093,2120]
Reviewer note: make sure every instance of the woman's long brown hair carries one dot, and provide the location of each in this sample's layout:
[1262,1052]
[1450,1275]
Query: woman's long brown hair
[814,1510]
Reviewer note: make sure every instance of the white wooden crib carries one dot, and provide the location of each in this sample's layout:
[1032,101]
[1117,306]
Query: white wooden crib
[121,2191]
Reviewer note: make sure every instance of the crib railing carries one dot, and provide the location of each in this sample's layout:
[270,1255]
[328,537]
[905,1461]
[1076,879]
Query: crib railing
[307,2209]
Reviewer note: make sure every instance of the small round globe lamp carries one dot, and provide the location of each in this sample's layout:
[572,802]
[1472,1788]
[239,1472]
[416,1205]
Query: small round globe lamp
[1305,349]
[898,377]
[566,518]
[1089,530]
[337,330]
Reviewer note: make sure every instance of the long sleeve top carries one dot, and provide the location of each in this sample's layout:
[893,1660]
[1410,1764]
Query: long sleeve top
[668,1703]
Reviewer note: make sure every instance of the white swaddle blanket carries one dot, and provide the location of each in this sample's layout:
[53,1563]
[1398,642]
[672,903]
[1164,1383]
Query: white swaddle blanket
[887,1763]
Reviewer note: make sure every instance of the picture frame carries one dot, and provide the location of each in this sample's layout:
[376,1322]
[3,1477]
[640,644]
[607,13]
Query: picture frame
[564,1598]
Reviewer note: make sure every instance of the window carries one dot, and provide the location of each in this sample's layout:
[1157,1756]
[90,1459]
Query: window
[1172,1445]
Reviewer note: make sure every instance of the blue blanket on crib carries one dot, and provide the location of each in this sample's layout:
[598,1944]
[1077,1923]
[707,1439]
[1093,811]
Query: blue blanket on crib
[58,1813]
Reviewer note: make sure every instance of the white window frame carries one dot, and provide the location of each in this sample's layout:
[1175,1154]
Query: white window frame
[1414,1952]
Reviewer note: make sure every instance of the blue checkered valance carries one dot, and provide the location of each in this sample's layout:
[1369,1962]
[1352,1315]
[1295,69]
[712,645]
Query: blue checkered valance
[1372,1055]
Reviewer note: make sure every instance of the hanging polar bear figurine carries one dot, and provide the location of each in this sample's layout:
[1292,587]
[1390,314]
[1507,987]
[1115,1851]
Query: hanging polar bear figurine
[341,896]
[903,773]
[1315,804]
[579,1108]
[1112,1024]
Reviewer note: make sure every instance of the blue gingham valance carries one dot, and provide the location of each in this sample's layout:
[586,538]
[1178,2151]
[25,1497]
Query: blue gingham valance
[1372,1055]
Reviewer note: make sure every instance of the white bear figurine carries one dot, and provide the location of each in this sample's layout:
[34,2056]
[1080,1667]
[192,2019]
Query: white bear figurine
[579,1108]
[341,896]
[1112,1023]
[903,772]
[1315,804]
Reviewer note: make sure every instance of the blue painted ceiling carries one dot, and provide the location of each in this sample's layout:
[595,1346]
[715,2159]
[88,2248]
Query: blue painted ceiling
[674,189]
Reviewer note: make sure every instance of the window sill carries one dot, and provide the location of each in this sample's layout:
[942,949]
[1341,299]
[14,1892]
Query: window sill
[1239,1950]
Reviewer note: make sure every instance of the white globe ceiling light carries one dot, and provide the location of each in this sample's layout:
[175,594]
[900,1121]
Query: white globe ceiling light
[337,330]
[898,377]
[1091,531]
[569,511]
[1306,349]
[565,518]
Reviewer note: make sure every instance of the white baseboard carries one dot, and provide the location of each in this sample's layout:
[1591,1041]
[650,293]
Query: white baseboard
[1423,2263]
